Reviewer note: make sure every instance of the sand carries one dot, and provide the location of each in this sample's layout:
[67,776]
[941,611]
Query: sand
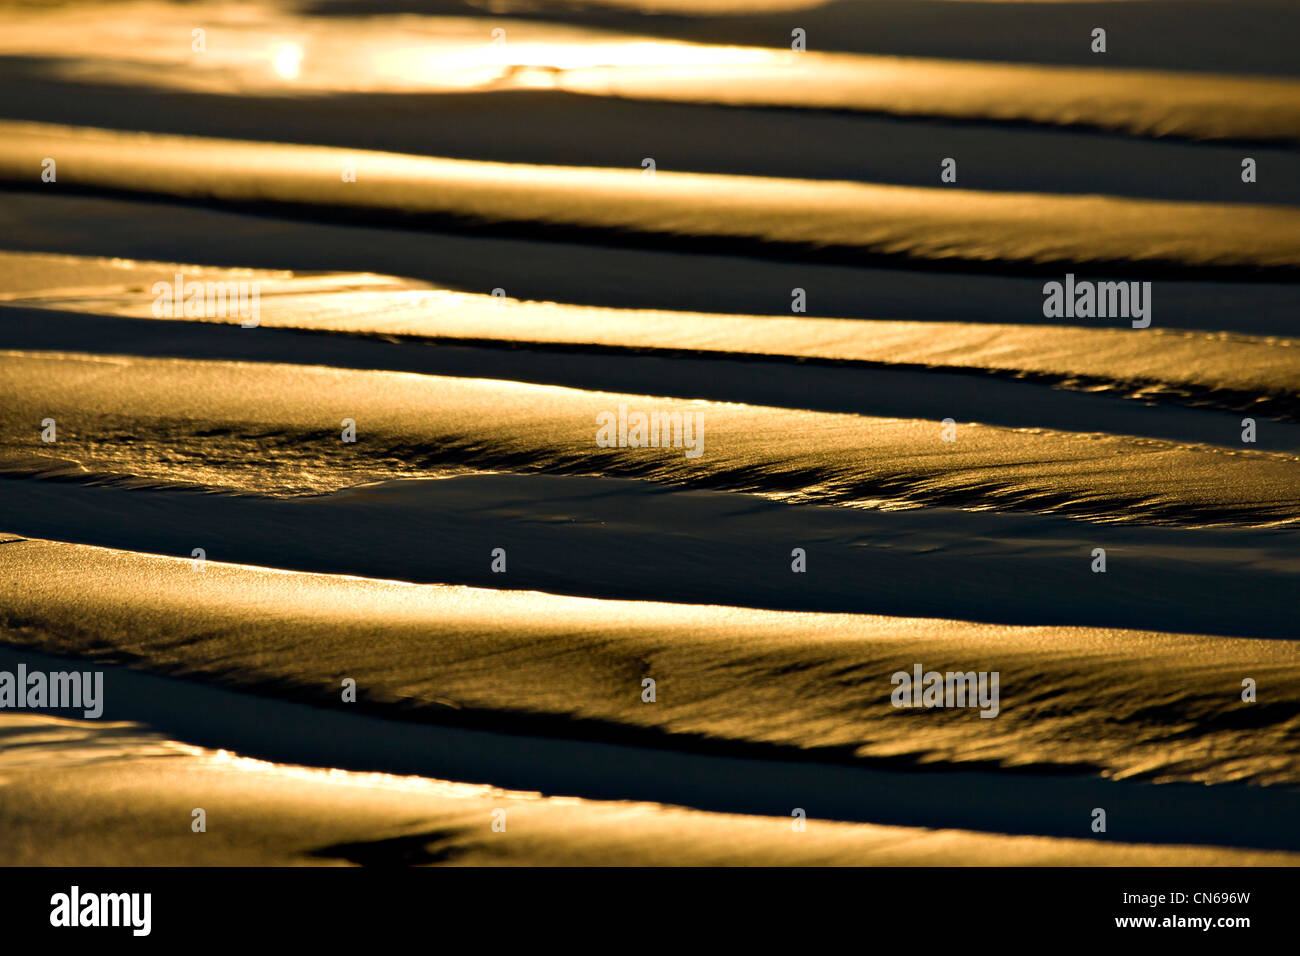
[858,222]
[731,676]
[501,277]
[61,779]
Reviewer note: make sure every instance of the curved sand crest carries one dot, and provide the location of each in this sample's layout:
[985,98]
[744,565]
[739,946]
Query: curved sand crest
[999,397]
[855,222]
[278,429]
[1164,707]
[1170,34]
[1172,104]
[261,813]
[1239,371]
[612,276]
[562,128]
[620,539]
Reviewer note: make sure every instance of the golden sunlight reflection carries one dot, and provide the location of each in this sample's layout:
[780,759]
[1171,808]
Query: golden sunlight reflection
[382,53]
[336,776]
[288,60]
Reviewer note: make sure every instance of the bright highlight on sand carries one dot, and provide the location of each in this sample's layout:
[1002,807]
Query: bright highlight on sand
[288,60]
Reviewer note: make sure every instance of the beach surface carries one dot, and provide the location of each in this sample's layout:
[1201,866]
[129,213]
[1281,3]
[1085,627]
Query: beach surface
[369,555]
